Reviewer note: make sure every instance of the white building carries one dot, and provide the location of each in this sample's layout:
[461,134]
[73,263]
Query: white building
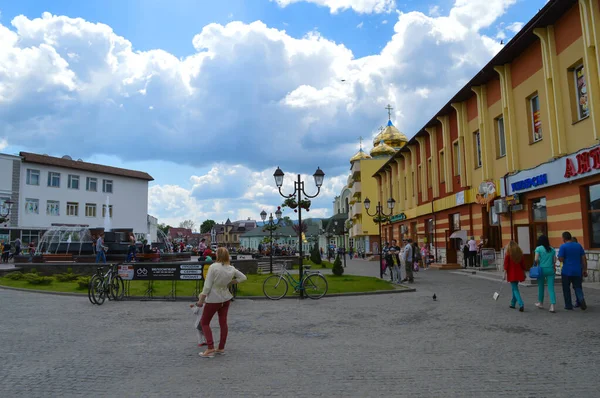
[49,191]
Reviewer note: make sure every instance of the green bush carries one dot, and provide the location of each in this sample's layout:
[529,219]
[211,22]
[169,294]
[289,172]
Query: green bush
[34,279]
[67,277]
[15,276]
[33,271]
[83,282]
[337,269]
[315,255]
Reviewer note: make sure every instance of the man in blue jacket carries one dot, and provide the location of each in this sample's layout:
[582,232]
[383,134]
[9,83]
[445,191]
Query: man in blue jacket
[574,268]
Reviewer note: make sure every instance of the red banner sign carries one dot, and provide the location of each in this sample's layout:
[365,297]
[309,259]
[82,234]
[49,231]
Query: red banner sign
[586,162]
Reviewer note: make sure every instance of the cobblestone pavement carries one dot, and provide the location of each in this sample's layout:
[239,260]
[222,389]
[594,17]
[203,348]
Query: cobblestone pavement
[463,345]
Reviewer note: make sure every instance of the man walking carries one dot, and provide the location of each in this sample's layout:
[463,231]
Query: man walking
[100,250]
[472,243]
[408,261]
[396,273]
[572,255]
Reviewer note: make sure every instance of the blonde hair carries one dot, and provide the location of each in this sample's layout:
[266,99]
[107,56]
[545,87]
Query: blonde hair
[223,256]
[514,251]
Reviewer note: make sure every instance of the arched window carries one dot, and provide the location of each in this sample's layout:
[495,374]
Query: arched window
[347,206]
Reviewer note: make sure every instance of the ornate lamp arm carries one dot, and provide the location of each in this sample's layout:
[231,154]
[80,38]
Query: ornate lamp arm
[290,195]
[309,196]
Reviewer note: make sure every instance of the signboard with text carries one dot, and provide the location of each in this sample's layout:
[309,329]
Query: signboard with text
[156,272]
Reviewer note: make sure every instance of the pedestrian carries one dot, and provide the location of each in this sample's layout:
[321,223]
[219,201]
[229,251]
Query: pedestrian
[197,311]
[394,259]
[132,249]
[100,250]
[424,256]
[577,304]
[472,251]
[5,251]
[408,262]
[514,272]
[545,257]
[17,247]
[384,263]
[572,255]
[202,246]
[416,256]
[217,297]
[465,251]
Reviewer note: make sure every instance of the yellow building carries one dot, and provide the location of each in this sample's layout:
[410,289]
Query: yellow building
[514,154]
[364,232]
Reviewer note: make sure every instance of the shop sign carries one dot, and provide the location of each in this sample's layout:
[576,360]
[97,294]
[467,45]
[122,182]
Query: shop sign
[460,198]
[487,193]
[583,163]
[527,183]
[398,217]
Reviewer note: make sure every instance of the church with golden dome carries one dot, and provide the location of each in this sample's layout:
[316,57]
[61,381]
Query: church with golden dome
[363,232]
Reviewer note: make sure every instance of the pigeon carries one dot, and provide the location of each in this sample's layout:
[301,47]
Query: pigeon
[434,297]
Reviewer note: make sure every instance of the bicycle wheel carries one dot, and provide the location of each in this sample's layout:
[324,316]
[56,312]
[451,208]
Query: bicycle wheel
[97,285]
[90,290]
[117,288]
[315,286]
[275,287]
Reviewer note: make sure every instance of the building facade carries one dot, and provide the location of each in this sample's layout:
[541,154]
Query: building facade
[48,191]
[229,233]
[513,154]
[285,236]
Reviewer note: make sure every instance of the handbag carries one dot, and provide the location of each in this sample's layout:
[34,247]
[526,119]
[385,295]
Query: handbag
[536,272]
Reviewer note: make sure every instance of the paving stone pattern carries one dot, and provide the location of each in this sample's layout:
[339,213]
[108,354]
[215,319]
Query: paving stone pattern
[463,345]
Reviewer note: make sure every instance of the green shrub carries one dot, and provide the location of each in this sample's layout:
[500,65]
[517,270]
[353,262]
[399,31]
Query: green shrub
[35,279]
[68,277]
[337,269]
[83,282]
[33,271]
[69,270]
[315,255]
[15,276]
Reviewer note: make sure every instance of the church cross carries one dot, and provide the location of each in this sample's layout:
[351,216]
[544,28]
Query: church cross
[389,109]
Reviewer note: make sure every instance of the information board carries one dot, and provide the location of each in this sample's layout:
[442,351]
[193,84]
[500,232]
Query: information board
[142,272]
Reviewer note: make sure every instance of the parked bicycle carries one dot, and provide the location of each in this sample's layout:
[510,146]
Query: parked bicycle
[313,283]
[103,285]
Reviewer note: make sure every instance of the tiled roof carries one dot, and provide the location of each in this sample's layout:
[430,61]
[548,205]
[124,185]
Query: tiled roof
[85,166]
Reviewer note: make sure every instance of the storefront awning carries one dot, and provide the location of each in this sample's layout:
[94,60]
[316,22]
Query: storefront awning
[459,235]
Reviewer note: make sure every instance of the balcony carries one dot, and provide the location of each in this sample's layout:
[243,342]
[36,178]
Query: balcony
[356,188]
[356,210]
[350,181]
[355,169]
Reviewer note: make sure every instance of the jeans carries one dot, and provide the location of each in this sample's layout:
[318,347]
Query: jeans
[131,253]
[101,256]
[396,274]
[209,312]
[566,286]
[516,295]
[547,278]
[472,258]
[408,267]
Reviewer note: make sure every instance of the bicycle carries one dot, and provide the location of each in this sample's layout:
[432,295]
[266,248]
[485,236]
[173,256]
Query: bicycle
[313,283]
[109,285]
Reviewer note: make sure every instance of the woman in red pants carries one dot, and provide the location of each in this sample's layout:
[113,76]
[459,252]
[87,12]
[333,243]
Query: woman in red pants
[217,297]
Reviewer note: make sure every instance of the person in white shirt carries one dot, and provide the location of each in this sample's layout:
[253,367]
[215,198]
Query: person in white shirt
[472,251]
[217,297]
[408,261]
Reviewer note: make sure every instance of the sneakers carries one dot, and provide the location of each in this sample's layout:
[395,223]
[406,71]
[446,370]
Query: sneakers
[552,310]
[521,309]
[539,305]
[207,354]
[583,305]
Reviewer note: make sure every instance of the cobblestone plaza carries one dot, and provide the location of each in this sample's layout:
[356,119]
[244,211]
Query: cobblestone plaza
[463,345]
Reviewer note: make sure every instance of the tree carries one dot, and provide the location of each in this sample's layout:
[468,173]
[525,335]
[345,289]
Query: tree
[164,228]
[286,221]
[207,226]
[300,227]
[315,254]
[337,269]
[188,224]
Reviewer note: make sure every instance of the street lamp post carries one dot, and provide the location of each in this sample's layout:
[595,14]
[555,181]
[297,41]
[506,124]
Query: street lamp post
[378,217]
[272,226]
[299,191]
[344,232]
[5,210]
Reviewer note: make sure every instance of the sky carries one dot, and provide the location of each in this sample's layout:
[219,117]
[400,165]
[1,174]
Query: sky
[210,97]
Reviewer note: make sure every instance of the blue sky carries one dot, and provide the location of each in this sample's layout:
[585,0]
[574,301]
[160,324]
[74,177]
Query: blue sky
[213,95]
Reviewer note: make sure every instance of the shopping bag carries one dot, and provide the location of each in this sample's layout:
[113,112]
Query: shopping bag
[535,272]
[497,294]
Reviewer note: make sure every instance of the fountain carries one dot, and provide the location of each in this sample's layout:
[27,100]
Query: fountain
[66,240]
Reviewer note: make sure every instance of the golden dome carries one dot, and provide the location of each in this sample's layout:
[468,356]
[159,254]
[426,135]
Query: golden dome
[360,155]
[382,149]
[391,136]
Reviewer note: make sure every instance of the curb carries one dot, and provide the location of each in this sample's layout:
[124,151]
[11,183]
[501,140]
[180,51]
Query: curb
[188,298]
[490,278]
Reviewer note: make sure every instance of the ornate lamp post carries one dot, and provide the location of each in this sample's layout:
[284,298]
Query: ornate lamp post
[271,227]
[344,232]
[299,192]
[379,216]
[5,210]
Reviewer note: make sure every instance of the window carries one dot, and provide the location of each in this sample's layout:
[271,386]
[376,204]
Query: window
[91,184]
[429,174]
[500,137]
[581,94]
[33,177]
[442,168]
[52,208]
[72,209]
[53,179]
[456,153]
[110,211]
[539,217]
[455,222]
[29,236]
[416,180]
[32,206]
[536,122]
[405,188]
[90,210]
[107,186]
[477,138]
[73,181]
[594,215]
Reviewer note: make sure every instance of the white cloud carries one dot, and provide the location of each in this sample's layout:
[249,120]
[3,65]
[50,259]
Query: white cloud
[515,26]
[250,98]
[3,143]
[434,11]
[360,25]
[360,6]
[384,22]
